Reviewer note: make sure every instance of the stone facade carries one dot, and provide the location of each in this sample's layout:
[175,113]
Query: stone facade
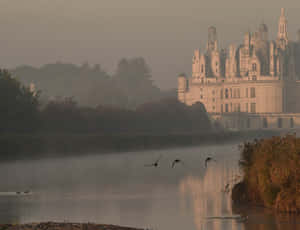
[257,80]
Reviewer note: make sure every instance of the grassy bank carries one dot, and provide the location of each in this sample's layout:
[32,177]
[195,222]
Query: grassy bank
[45,145]
[271,174]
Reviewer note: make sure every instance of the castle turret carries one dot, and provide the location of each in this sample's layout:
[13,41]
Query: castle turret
[231,63]
[263,32]
[212,43]
[182,87]
[196,64]
[272,59]
[247,40]
[282,34]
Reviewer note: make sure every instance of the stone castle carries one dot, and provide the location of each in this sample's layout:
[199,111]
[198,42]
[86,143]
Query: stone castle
[255,85]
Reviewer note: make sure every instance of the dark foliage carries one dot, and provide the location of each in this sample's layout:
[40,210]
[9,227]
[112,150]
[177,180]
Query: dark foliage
[272,172]
[161,117]
[18,106]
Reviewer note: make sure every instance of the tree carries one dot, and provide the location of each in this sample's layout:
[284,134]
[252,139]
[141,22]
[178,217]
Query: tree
[133,78]
[18,106]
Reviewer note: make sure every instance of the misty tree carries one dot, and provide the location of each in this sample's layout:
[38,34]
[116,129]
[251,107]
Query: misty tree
[133,78]
[18,106]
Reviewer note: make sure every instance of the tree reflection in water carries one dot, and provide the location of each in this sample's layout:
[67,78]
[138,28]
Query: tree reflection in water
[207,198]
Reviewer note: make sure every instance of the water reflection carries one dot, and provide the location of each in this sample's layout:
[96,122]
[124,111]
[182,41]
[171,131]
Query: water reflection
[208,199]
[119,189]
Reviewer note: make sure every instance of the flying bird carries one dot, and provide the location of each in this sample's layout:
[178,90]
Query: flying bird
[208,159]
[155,164]
[176,161]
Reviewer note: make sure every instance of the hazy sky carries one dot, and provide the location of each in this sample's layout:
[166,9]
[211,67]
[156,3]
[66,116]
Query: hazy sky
[164,32]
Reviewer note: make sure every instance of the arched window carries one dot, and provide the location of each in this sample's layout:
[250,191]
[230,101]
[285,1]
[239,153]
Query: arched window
[202,68]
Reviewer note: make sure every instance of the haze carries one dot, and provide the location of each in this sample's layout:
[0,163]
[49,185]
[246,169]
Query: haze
[165,33]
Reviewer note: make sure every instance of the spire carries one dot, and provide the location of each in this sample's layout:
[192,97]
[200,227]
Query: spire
[282,35]
[282,12]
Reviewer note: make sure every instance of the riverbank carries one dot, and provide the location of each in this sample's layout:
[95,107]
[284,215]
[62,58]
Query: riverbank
[60,145]
[62,226]
[271,170]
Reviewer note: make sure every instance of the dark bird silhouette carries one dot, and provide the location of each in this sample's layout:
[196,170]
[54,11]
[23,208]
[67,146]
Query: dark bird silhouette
[208,159]
[155,164]
[176,161]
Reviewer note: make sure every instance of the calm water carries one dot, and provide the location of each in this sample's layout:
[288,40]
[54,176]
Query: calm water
[119,189]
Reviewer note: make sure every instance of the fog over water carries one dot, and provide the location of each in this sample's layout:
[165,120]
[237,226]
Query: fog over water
[119,189]
[37,32]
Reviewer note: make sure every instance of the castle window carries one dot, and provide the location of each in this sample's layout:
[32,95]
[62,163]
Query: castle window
[292,123]
[253,107]
[246,107]
[279,123]
[221,108]
[216,70]
[216,63]
[265,123]
[202,68]
[238,93]
[226,93]
[254,67]
[238,107]
[252,92]
[213,99]
[246,92]
[213,107]
[226,108]
[213,92]
[254,78]
[230,93]
[221,93]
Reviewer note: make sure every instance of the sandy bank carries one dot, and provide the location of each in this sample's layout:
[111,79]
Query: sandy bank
[62,226]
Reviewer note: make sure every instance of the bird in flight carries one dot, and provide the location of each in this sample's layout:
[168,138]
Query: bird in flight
[208,159]
[176,161]
[155,164]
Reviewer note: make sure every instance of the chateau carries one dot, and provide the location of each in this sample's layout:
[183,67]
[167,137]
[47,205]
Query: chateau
[255,85]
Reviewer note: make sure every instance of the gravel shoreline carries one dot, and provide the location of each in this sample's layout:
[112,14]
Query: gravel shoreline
[63,226]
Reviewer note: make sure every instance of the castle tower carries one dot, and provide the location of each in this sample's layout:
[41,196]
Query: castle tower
[231,63]
[182,87]
[282,35]
[212,43]
[247,40]
[263,32]
[196,64]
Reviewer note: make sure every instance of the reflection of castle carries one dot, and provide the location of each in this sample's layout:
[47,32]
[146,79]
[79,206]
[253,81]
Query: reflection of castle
[254,85]
[208,199]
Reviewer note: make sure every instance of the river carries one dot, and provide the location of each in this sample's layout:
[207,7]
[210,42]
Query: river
[119,189]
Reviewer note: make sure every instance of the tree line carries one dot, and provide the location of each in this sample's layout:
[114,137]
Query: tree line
[22,112]
[131,84]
